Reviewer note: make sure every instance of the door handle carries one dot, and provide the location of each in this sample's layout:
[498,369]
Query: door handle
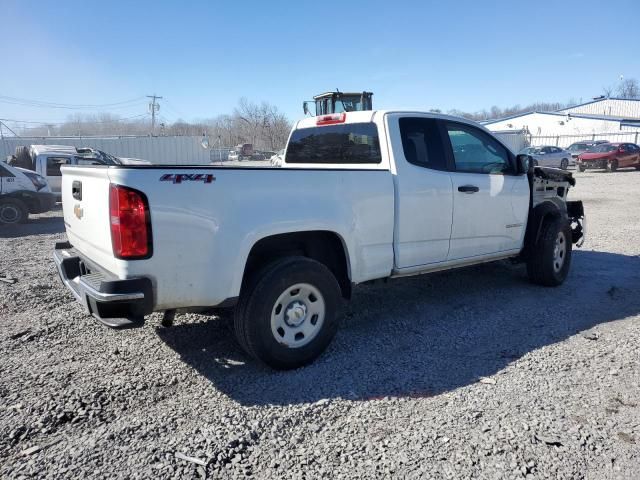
[468,189]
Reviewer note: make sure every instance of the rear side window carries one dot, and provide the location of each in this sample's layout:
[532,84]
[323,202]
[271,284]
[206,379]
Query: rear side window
[421,142]
[54,164]
[343,143]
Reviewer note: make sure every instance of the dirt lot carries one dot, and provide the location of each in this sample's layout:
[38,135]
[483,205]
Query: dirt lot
[466,374]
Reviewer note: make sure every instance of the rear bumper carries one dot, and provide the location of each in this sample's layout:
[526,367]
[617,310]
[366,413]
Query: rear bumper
[115,302]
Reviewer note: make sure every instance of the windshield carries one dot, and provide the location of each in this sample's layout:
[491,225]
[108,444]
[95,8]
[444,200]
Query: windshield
[348,104]
[108,158]
[578,146]
[606,147]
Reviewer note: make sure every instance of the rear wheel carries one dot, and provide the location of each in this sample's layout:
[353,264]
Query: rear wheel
[612,165]
[287,314]
[549,263]
[564,164]
[13,211]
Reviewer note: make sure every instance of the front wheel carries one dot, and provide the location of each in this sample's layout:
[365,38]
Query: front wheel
[13,211]
[564,164]
[550,260]
[287,314]
[581,168]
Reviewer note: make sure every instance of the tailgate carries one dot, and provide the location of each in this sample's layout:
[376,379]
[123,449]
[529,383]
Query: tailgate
[85,204]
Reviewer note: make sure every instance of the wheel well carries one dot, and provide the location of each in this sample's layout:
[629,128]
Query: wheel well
[25,197]
[540,214]
[322,246]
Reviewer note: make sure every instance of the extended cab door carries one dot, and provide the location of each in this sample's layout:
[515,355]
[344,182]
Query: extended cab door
[423,191]
[490,202]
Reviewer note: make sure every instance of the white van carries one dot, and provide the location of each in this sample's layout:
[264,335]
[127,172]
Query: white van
[22,192]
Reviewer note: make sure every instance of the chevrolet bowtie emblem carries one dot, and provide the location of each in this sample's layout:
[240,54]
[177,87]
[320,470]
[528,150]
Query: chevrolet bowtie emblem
[77,210]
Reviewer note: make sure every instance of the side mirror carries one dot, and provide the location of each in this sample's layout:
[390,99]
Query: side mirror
[524,163]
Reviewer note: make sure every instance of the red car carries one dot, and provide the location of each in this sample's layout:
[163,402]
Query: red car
[610,156]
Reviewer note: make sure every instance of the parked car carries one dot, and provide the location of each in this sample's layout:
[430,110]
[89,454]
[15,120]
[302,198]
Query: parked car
[22,192]
[580,147]
[361,196]
[46,160]
[241,152]
[549,156]
[610,156]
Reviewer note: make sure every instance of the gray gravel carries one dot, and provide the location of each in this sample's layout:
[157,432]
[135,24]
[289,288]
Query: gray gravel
[467,374]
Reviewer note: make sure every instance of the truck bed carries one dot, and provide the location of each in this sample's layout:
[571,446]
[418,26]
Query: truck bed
[198,213]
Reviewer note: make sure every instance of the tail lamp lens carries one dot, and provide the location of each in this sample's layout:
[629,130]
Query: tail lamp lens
[130,223]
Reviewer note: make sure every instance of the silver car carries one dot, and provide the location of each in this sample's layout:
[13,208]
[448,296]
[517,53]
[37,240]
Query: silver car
[549,156]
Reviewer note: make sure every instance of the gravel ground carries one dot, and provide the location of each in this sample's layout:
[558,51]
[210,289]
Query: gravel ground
[466,374]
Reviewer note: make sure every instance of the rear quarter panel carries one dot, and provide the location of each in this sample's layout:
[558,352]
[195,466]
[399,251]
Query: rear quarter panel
[203,232]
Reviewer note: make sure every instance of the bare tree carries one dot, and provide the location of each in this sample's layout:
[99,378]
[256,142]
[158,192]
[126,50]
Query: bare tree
[628,88]
[262,124]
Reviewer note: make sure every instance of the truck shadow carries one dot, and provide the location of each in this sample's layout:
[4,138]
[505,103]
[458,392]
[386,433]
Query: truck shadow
[48,225]
[423,336]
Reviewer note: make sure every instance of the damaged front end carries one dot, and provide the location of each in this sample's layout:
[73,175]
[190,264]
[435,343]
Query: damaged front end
[551,185]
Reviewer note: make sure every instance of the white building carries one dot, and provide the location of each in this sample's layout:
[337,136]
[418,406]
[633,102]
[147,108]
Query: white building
[600,116]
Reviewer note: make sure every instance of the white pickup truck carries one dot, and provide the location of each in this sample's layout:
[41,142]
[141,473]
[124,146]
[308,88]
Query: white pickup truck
[360,196]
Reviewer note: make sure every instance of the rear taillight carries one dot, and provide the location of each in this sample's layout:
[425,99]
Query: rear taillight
[331,119]
[130,223]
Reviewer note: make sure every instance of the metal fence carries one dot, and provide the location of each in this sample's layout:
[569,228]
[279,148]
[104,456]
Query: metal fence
[516,140]
[566,140]
[189,151]
[158,150]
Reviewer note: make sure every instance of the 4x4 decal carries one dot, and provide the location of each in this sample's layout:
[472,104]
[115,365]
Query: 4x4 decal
[187,177]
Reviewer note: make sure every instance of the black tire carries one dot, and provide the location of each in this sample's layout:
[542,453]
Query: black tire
[581,168]
[543,265]
[564,164]
[23,158]
[13,211]
[612,166]
[259,301]
[535,162]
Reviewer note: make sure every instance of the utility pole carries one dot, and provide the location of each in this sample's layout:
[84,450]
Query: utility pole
[154,106]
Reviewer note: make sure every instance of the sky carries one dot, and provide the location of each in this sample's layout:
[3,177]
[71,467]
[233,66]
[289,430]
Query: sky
[203,56]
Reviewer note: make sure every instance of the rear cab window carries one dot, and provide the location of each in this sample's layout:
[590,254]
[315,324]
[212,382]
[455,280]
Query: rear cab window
[54,164]
[346,143]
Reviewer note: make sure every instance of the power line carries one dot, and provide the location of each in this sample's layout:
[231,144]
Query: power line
[72,121]
[69,106]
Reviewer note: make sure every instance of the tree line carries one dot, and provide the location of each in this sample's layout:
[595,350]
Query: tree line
[260,124]
[628,88]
